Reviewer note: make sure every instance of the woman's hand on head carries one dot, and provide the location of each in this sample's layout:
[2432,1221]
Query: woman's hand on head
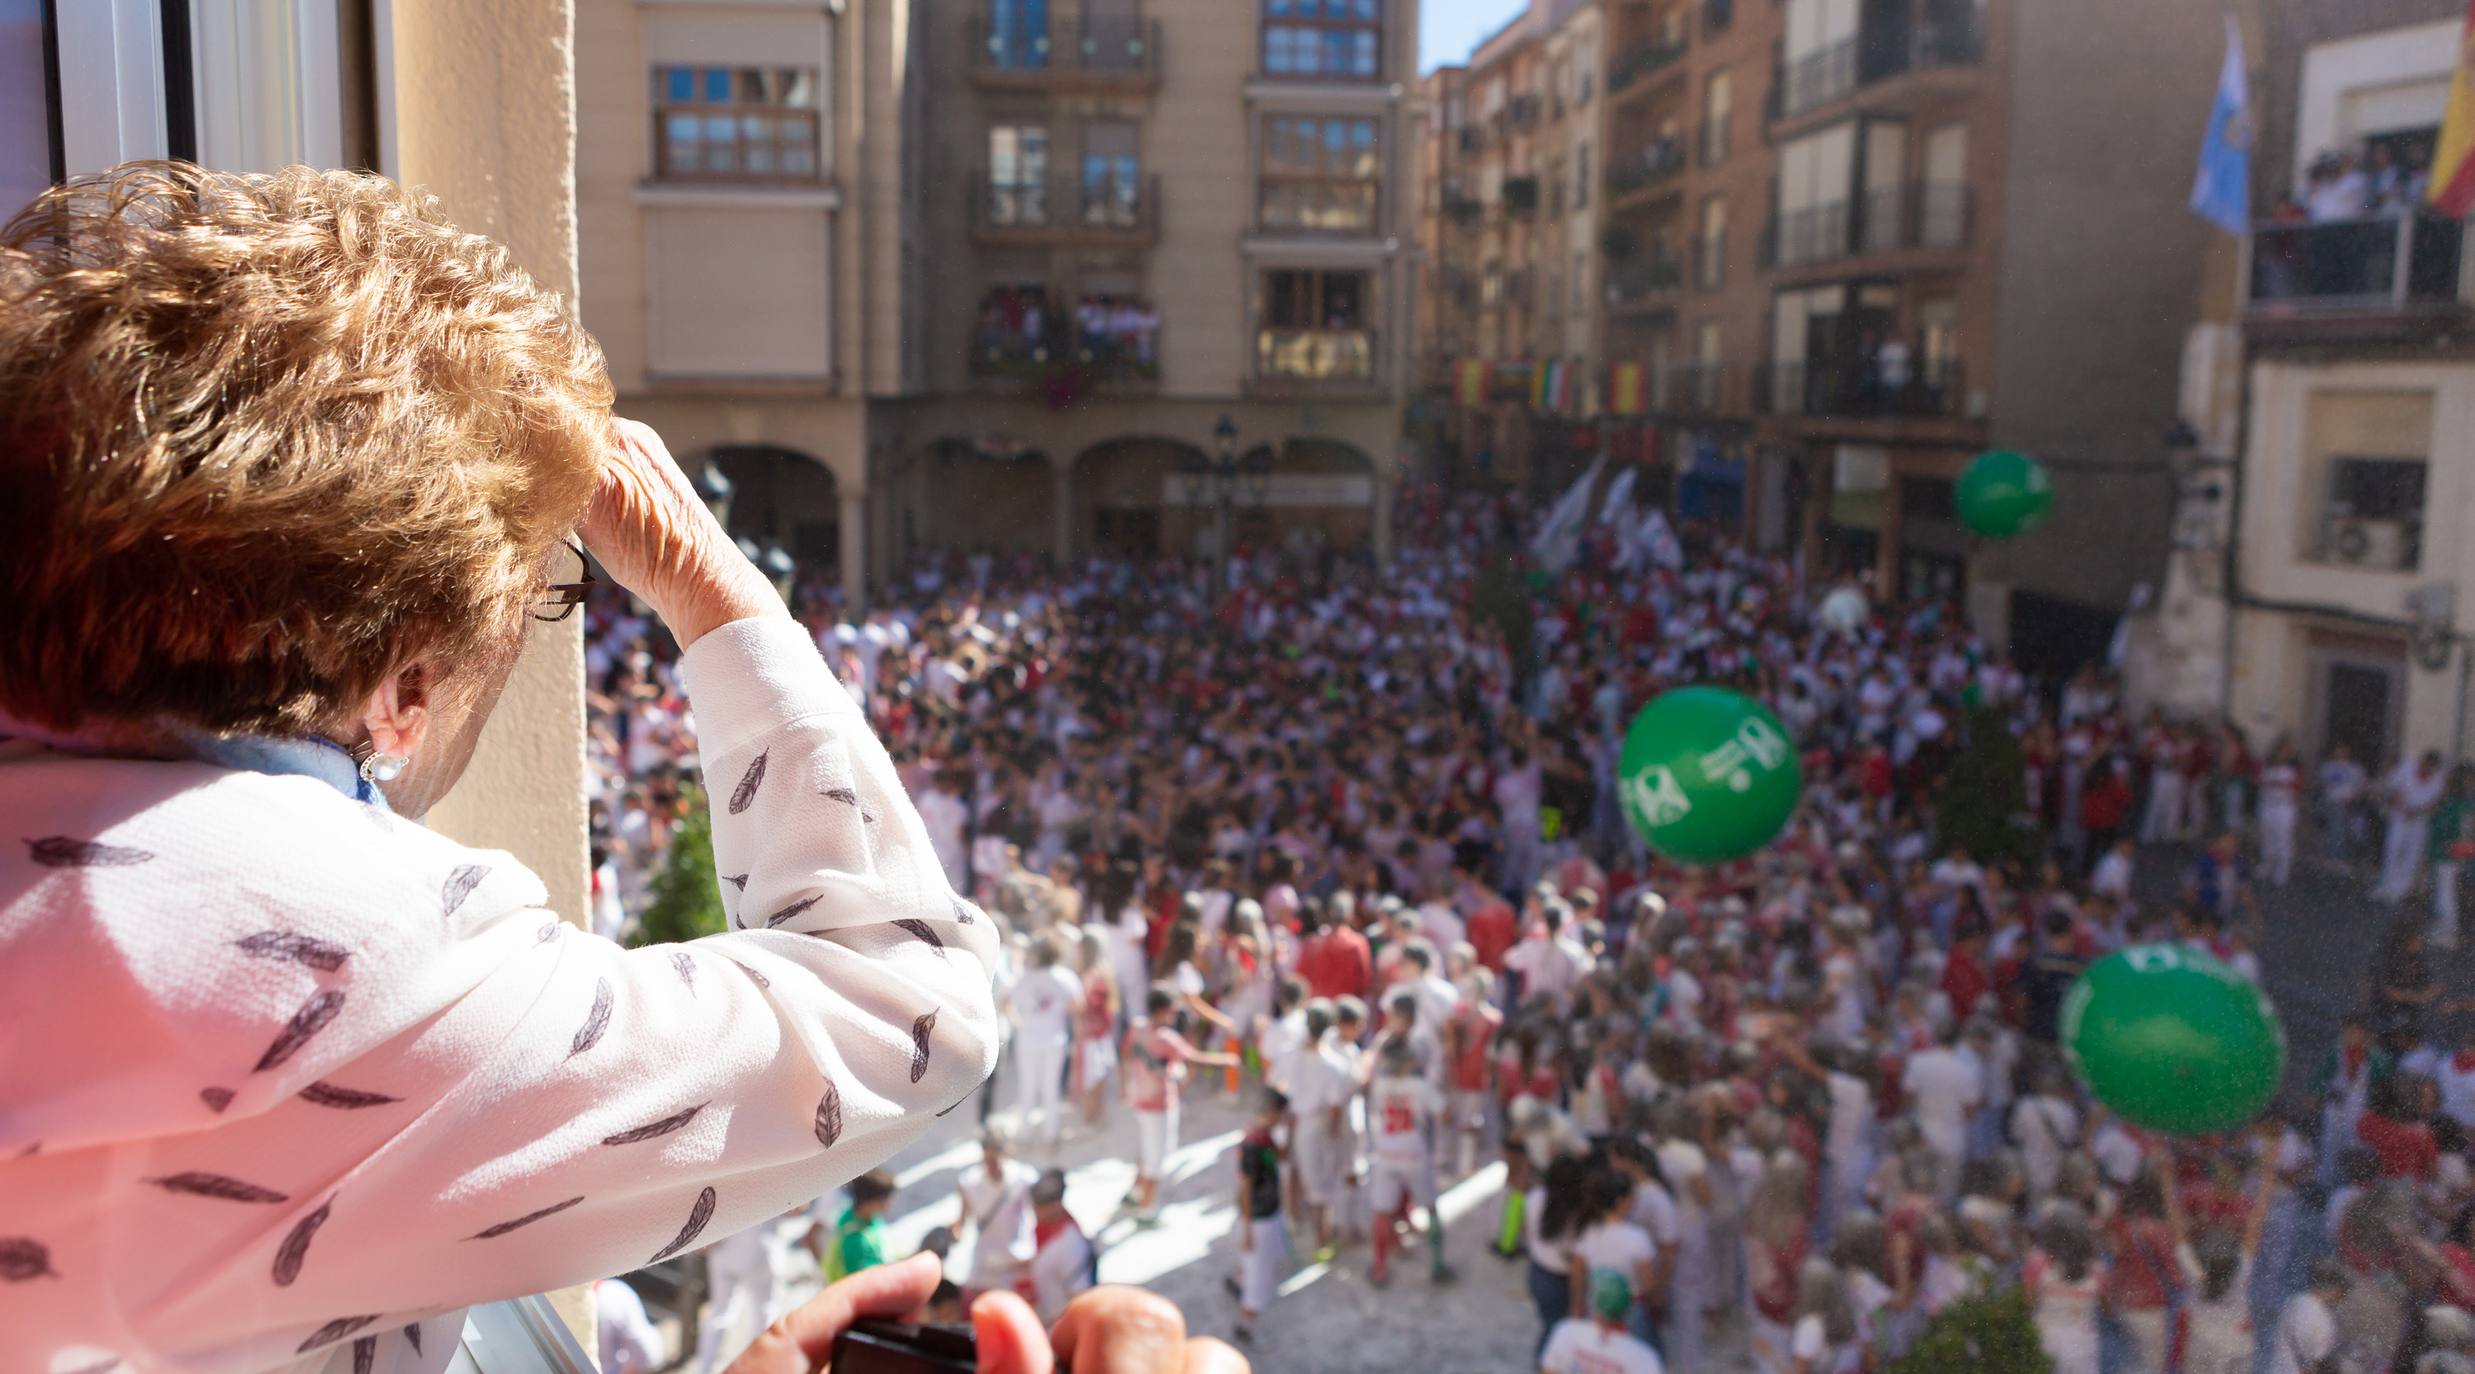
[651,534]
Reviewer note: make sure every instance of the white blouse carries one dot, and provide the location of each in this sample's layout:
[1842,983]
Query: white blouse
[286,1082]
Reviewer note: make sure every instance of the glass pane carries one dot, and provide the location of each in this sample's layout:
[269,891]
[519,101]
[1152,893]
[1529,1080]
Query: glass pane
[800,94]
[799,159]
[682,129]
[1004,166]
[721,129]
[1365,64]
[760,157]
[717,85]
[678,84]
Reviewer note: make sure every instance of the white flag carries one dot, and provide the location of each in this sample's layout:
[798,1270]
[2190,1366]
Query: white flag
[1558,541]
[1619,502]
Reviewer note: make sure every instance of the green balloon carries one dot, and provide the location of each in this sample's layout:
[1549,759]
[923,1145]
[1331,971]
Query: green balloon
[2173,1040]
[2004,494]
[1708,775]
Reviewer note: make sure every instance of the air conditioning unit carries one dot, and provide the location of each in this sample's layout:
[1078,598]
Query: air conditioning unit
[2367,543]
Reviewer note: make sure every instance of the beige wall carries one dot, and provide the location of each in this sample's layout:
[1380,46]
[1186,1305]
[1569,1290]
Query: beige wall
[2301,414]
[485,117]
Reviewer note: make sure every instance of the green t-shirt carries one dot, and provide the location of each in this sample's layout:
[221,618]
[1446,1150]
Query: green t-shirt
[2448,826]
[858,1244]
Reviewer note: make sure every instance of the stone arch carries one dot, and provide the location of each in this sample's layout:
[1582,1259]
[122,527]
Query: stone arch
[1120,490]
[1322,494]
[783,496]
[962,497]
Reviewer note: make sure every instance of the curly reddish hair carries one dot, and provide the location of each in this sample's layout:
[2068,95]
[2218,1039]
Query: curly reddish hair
[266,439]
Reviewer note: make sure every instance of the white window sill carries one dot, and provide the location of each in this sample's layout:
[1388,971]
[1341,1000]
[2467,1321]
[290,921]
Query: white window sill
[699,195]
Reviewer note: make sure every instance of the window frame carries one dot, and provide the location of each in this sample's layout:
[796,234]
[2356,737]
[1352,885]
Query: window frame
[1369,184]
[1320,25]
[738,110]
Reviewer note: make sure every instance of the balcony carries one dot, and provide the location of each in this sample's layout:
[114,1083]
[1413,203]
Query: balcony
[1921,217]
[1639,287]
[2385,277]
[1115,344]
[1117,56]
[1638,64]
[1891,41]
[1652,170]
[1066,211]
[1857,389]
[1316,362]
[1692,388]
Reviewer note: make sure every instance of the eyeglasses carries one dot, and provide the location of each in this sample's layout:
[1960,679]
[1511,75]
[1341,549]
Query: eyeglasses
[559,600]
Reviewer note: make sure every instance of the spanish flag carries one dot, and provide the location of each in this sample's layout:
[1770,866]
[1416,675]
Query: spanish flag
[1469,383]
[2453,162]
[1626,389]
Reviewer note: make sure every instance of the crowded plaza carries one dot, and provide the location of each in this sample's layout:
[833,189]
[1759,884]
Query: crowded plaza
[1341,857]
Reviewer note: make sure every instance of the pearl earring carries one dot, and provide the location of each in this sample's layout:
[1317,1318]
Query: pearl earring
[377,767]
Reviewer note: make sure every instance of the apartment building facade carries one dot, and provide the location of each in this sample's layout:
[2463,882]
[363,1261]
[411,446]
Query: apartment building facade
[1015,276]
[1845,245]
[2322,588]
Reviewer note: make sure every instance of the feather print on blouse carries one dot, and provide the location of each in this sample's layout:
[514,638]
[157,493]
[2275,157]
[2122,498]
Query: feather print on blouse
[334,1331]
[685,967]
[220,1186]
[698,1216]
[296,1245]
[663,1127]
[921,930]
[364,1355]
[920,1031]
[596,1021]
[298,949]
[744,794]
[308,1021]
[23,1258]
[793,909]
[60,851]
[216,1099]
[829,1115]
[494,1232]
[460,885]
[325,1094]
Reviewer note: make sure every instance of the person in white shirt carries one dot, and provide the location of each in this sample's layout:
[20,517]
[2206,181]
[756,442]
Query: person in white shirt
[948,819]
[1041,1005]
[2281,792]
[1063,1262]
[1600,1344]
[2307,1330]
[1550,964]
[626,1339]
[1321,1083]
[996,1197]
[2409,795]
[1402,1107]
[1945,1088]
[2045,1125]
[2340,785]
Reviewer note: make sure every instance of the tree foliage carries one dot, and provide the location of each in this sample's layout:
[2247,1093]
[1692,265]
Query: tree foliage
[1983,802]
[1992,1333]
[686,900]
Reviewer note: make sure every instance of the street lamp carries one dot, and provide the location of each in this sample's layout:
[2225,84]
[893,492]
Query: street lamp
[1225,473]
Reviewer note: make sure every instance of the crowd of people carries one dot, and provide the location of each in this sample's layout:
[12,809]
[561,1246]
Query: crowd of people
[1346,842]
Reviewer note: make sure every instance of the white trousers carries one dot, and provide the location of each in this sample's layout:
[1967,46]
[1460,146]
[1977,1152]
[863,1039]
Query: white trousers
[2401,858]
[1039,1067]
[2445,904]
[2277,840]
[2163,820]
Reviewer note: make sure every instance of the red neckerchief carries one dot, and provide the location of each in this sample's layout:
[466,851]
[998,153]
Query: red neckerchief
[1042,1232]
[2463,1061]
[2351,1058]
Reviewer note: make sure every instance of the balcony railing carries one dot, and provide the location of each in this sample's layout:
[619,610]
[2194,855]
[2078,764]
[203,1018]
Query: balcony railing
[2387,264]
[1337,358]
[1921,215]
[1710,261]
[1713,138]
[1693,388]
[1066,208]
[1640,61]
[1862,388]
[1111,347]
[1632,283]
[1910,35]
[1112,50]
[1657,161]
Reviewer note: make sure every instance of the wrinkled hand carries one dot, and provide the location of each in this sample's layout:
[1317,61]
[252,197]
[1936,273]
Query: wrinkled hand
[1117,1330]
[1009,1336]
[649,532]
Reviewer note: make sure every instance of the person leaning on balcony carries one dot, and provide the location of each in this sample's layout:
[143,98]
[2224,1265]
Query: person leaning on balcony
[288,467]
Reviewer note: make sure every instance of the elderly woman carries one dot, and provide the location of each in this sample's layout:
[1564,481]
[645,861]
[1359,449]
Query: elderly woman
[288,468]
